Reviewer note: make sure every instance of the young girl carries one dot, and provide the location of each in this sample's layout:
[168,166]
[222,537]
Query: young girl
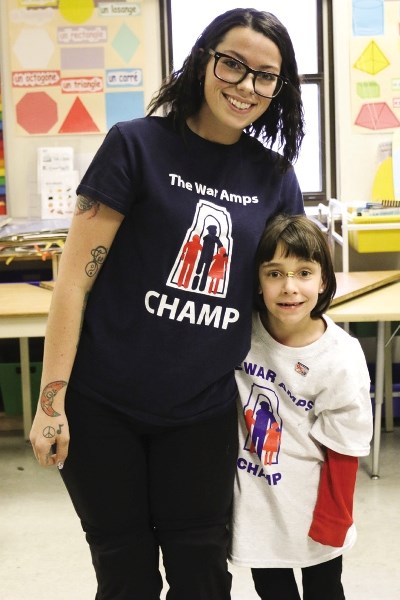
[305,417]
[151,311]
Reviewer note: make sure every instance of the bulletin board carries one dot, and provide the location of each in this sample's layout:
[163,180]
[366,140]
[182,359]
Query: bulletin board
[77,66]
[375,65]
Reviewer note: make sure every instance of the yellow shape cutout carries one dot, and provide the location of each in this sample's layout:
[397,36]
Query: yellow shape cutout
[372,60]
[383,185]
[76,11]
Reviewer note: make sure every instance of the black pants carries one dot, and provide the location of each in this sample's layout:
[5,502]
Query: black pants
[139,488]
[320,582]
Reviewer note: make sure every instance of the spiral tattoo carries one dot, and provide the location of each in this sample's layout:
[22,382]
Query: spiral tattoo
[99,255]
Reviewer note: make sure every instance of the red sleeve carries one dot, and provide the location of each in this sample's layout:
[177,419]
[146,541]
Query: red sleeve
[333,513]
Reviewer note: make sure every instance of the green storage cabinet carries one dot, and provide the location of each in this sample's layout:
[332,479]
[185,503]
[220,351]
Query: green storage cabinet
[11,387]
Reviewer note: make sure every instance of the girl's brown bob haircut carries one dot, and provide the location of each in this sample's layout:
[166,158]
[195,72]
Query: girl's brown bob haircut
[302,238]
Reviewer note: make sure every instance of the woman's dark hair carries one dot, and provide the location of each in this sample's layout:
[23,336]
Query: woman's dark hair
[282,124]
[302,238]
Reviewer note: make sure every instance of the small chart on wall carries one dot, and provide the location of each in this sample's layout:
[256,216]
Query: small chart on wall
[375,62]
[76,65]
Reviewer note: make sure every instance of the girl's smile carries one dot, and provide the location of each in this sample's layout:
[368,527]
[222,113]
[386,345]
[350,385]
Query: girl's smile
[290,287]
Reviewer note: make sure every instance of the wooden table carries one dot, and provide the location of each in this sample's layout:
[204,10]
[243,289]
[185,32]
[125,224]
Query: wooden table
[24,309]
[353,284]
[356,283]
[381,306]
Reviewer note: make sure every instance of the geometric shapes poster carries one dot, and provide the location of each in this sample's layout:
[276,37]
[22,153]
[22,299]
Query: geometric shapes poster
[375,62]
[372,60]
[68,58]
[377,116]
[2,165]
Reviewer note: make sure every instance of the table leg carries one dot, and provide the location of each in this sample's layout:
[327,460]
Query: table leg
[379,379]
[388,387]
[54,264]
[26,385]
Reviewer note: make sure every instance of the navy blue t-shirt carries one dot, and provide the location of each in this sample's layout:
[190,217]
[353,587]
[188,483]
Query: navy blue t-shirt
[169,316]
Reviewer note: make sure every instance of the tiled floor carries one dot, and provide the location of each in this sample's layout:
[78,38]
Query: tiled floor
[43,553]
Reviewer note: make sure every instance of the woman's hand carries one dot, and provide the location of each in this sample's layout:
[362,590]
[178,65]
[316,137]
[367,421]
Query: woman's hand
[49,434]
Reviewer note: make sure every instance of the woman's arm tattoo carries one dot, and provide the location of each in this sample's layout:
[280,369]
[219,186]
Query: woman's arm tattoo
[47,397]
[84,205]
[99,255]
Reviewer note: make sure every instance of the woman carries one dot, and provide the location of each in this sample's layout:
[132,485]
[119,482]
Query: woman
[138,375]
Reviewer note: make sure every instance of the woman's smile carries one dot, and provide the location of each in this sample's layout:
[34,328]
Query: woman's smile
[229,108]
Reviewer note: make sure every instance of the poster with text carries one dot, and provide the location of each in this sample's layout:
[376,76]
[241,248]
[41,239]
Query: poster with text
[76,65]
[375,65]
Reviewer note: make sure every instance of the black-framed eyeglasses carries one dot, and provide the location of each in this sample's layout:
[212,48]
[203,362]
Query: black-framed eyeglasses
[232,70]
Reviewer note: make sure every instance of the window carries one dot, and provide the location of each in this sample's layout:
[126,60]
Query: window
[184,22]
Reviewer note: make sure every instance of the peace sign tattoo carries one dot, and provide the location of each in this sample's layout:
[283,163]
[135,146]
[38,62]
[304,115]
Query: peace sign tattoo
[49,432]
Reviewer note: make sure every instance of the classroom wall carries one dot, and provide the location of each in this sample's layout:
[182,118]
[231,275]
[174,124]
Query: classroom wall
[23,199]
[357,154]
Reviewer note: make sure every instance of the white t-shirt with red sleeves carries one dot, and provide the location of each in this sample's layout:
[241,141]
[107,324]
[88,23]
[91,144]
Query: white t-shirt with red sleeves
[293,403]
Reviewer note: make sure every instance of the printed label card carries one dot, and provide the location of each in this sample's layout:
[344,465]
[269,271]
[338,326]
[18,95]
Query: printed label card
[58,194]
